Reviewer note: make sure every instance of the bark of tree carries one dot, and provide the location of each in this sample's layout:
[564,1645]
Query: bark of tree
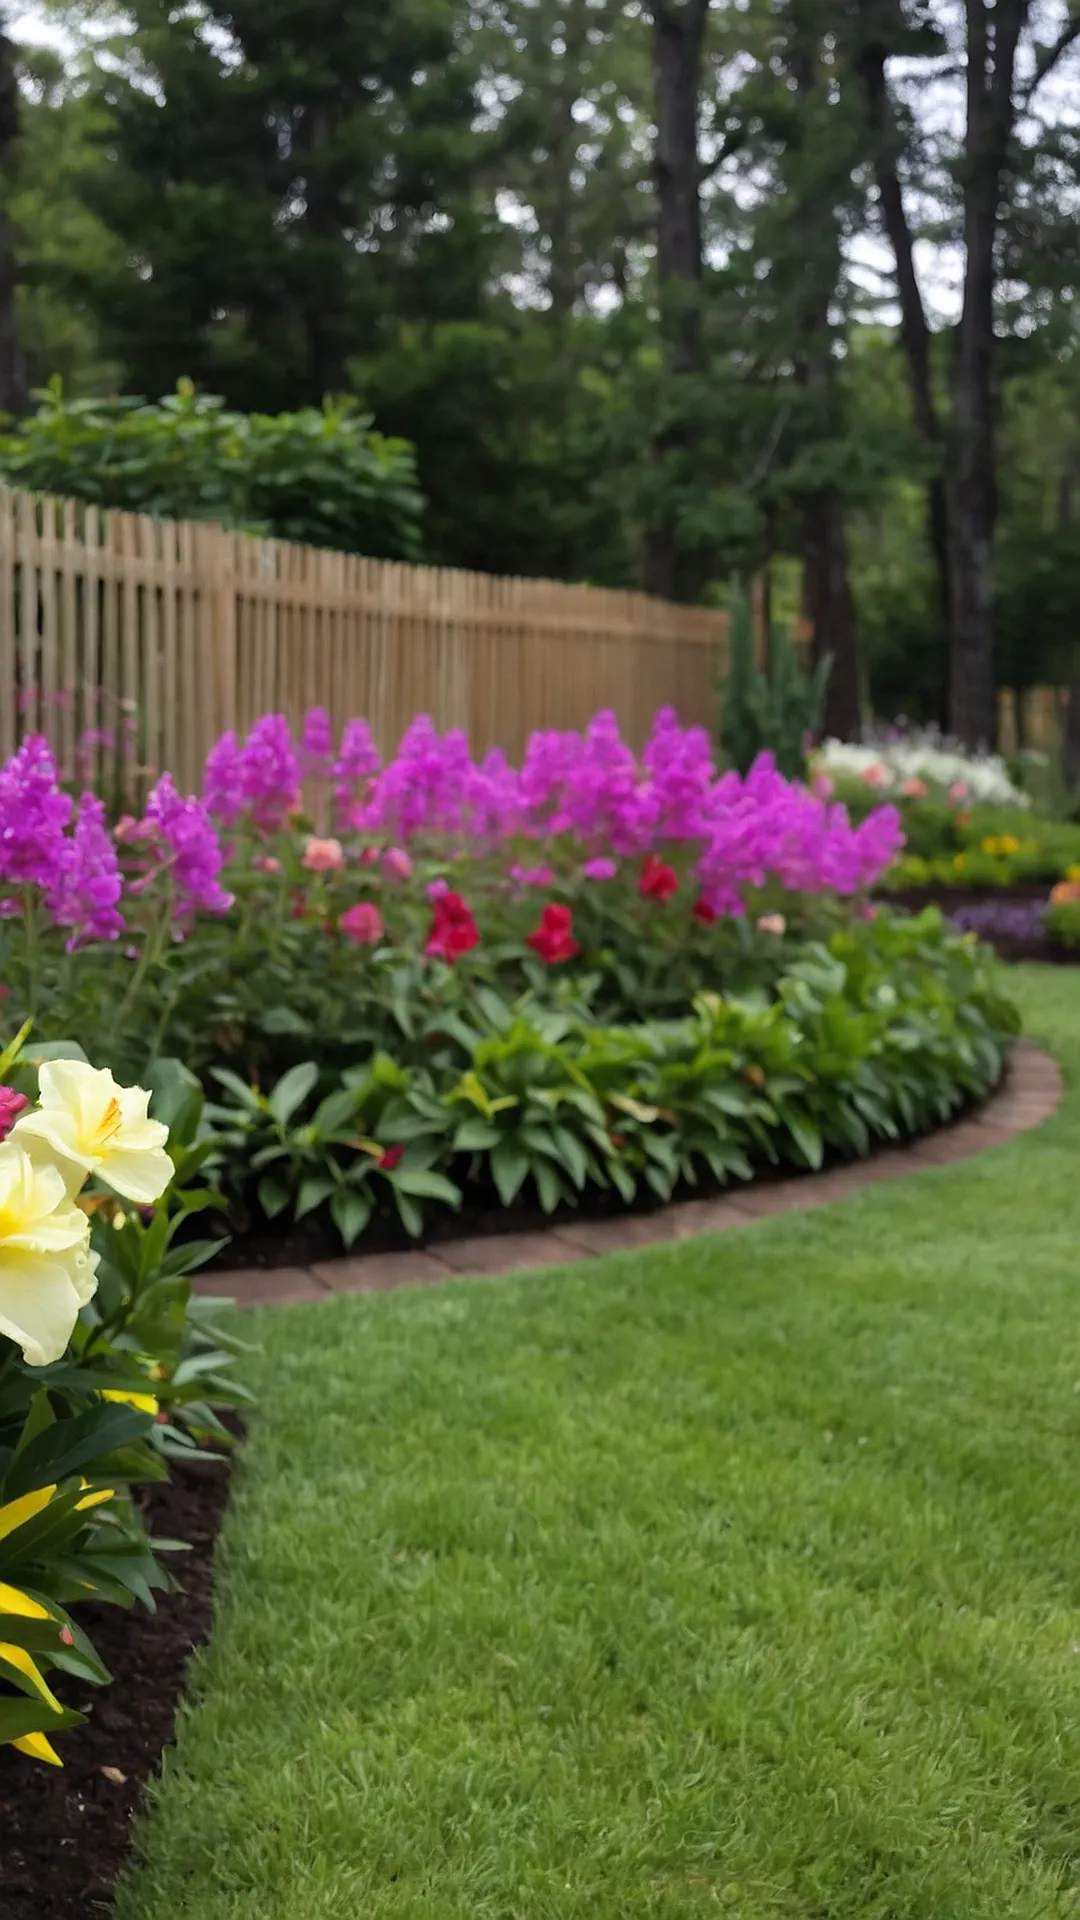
[992,38]
[914,328]
[678,34]
[14,398]
[828,604]
[829,607]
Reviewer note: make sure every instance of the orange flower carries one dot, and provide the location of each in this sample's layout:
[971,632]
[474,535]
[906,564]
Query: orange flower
[1066,893]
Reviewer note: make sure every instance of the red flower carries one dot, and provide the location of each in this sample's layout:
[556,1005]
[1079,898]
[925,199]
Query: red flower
[703,911]
[390,1159]
[554,937]
[658,882]
[11,1105]
[453,929]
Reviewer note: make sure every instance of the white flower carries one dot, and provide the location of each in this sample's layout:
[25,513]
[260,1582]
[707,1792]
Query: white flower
[47,1271]
[924,756]
[93,1125]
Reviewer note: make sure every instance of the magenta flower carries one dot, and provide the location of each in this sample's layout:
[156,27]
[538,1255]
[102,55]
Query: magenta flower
[600,869]
[223,782]
[11,1105]
[34,815]
[270,773]
[190,848]
[397,863]
[317,744]
[86,896]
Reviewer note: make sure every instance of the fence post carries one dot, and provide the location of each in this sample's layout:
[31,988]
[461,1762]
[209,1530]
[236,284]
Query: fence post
[217,634]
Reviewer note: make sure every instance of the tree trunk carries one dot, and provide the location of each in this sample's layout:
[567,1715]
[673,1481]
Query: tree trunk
[830,610]
[14,398]
[678,33]
[992,37]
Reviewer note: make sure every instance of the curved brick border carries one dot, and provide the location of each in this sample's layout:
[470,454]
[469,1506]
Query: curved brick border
[1028,1095]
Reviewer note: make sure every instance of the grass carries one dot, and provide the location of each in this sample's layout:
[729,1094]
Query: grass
[739,1577]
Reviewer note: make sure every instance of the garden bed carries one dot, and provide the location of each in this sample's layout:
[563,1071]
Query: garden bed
[64,1833]
[1007,918]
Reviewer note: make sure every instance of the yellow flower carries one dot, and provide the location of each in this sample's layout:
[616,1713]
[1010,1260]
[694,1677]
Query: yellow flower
[1072,873]
[47,1270]
[989,845]
[960,862]
[1009,843]
[93,1125]
[145,1402]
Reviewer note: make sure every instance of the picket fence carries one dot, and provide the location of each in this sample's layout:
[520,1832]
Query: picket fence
[132,643]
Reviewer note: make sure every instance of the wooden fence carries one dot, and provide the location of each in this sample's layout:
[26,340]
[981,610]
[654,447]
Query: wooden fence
[133,643]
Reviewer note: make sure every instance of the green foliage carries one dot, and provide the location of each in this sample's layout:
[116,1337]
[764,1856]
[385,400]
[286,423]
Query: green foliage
[1062,923]
[768,710]
[873,1035]
[321,477]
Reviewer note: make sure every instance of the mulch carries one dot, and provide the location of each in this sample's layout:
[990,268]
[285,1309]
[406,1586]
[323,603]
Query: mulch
[64,1833]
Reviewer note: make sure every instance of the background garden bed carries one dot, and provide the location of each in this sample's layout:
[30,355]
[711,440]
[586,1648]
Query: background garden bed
[1008,918]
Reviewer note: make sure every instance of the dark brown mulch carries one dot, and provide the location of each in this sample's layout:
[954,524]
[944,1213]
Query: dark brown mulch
[64,1832]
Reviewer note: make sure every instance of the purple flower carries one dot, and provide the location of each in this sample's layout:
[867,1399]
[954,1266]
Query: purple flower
[223,783]
[193,854]
[86,896]
[317,744]
[600,869]
[532,876]
[34,815]
[353,772]
[270,773]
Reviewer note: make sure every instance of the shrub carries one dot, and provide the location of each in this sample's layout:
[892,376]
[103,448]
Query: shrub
[320,477]
[771,710]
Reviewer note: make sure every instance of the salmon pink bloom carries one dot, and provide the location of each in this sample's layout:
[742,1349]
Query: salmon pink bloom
[914,788]
[362,924]
[323,856]
[397,863]
[772,923]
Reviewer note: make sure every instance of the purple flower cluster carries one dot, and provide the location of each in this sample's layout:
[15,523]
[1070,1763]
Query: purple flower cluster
[188,846]
[588,790]
[1013,920]
[86,893]
[34,818]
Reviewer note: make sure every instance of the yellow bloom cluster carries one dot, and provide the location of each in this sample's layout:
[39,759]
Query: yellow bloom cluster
[1000,843]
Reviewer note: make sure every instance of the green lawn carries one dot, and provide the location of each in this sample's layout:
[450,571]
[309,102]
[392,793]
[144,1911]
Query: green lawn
[739,1577]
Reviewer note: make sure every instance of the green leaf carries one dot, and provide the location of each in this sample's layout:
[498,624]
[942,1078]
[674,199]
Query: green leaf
[292,1090]
[273,1195]
[313,1191]
[509,1169]
[351,1212]
[425,1185]
[176,1099]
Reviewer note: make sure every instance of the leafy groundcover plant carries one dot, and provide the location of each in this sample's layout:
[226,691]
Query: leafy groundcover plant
[108,1367]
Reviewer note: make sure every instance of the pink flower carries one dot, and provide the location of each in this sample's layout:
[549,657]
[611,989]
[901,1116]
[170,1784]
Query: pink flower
[268,863]
[323,856]
[822,785]
[363,924]
[876,775]
[772,923]
[914,788]
[390,1159]
[11,1105]
[601,869]
[958,790]
[438,889]
[532,876]
[397,863]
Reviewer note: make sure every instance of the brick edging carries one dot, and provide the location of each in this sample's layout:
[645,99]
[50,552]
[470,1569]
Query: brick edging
[1028,1095]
